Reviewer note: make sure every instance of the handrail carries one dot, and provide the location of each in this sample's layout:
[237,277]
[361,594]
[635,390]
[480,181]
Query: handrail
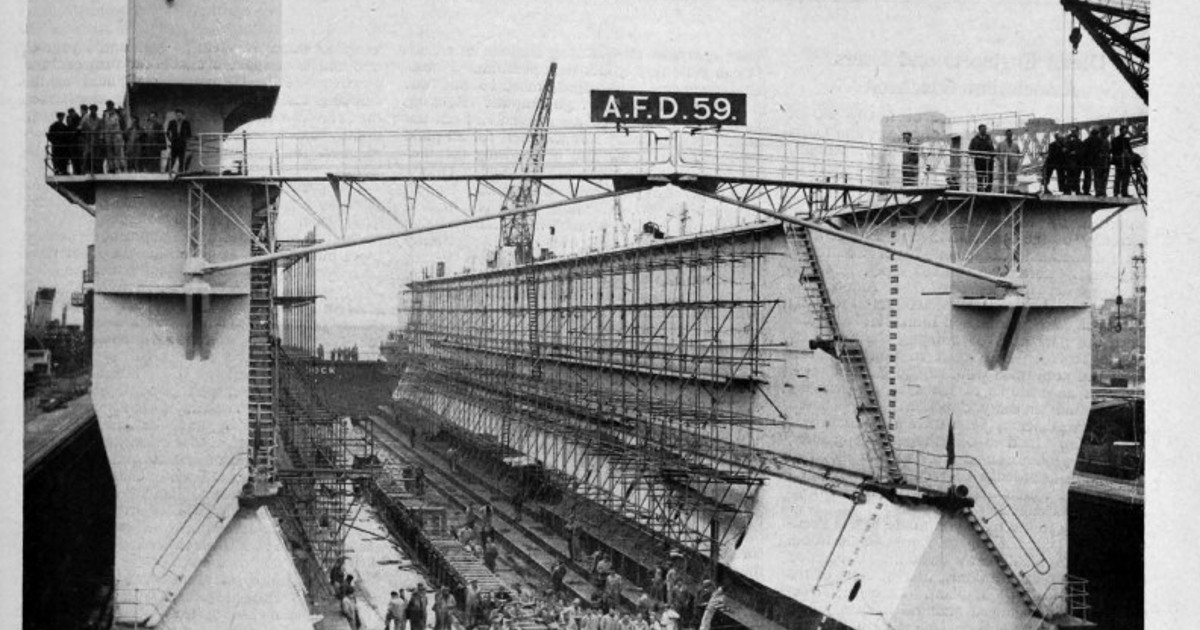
[203,503]
[157,605]
[1071,590]
[1016,528]
[601,152]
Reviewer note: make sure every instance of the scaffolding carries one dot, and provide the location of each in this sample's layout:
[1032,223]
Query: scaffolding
[297,298]
[323,464]
[639,389]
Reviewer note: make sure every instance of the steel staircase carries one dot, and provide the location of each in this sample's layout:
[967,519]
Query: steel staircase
[262,437]
[1014,578]
[850,354]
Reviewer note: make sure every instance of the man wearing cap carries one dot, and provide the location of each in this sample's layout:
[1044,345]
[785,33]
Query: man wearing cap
[416,609]
[910,160]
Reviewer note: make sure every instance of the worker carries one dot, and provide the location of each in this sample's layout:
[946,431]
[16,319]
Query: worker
[558,572]
[156,144]
[670,619]
[337,575]
[1056,155]
[416,610]
[715,603]
[59,136]
[349,601]
[179,132]
[603,568]
[910,160]
[490,553]
[1073,161]
[983,152]
[1101,156]
[395,613]
[702,596]
[1122,160]
[572,537]
[135,138]
[75,148]
[471,603]
[1088,159]
[443,603]
[612,589]
[1010,162]
[114,141]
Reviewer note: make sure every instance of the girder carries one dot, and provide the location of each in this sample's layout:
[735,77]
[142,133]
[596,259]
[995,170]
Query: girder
[1121,28]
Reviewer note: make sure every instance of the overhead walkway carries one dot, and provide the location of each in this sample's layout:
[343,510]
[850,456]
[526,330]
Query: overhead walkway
[841,188]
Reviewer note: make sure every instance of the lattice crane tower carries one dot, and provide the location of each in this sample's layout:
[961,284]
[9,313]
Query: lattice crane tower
[517,231]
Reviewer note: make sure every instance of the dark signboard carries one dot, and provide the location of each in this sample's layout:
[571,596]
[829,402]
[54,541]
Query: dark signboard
[668,108]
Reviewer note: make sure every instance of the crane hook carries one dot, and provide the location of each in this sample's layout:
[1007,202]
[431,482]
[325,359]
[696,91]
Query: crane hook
[1075,38]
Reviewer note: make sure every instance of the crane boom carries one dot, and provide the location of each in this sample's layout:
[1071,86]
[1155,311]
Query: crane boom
[1122,30]
[517,230]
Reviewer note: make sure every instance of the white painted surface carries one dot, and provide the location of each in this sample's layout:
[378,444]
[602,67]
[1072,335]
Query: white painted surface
[215,42]
[247,582]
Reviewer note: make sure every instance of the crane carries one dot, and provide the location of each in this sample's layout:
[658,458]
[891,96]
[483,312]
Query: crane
[1122,30]
[517,230]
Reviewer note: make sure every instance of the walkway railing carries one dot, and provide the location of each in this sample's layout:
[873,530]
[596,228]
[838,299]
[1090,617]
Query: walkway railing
[431,154]
[598,152]
[930,471]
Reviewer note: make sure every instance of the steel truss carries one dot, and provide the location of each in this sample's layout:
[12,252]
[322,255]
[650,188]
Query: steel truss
[860,215]
[1122,30]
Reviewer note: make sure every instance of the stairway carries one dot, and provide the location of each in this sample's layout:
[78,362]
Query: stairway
[881,448]
[262,356]
[1012,576]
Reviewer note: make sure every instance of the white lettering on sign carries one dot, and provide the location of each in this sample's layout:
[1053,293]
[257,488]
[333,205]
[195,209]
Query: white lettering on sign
[322,369]
[668,108]
[612,108]
[663,112]
[639,105]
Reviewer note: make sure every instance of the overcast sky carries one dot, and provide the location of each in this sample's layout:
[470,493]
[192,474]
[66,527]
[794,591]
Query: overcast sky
[829,68]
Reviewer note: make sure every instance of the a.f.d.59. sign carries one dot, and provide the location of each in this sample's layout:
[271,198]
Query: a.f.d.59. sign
[668,108]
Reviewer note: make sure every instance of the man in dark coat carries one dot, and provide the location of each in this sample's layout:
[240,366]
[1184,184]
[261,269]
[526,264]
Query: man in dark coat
[156,143]
[910,161]
[179,131]
[1091,150]
[416,609]
[1074,161]
[1056,157]
[983,152]
[75,147]
[60,141]
[1101,155]
[1122,159]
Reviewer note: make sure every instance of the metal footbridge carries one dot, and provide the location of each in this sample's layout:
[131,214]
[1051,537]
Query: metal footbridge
[822,184]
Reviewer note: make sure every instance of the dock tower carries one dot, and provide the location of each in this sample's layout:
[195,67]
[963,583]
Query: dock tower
[174,384]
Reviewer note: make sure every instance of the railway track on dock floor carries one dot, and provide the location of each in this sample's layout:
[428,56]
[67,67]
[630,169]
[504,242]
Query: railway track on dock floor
[537,543]
[529,556]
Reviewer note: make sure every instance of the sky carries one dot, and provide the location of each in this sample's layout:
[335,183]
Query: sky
[828,68]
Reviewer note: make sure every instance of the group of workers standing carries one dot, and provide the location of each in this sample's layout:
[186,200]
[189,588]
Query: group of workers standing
[1080,166]
[1068,158]
[88,142]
